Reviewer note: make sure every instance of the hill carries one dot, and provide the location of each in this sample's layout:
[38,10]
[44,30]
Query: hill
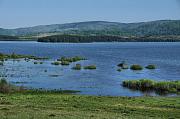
[153,28]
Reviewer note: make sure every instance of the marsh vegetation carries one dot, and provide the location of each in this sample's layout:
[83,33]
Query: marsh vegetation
[136,67]
[77,67]
[151,66]
[4,57]
[7,88]
[90,67]
[151,85]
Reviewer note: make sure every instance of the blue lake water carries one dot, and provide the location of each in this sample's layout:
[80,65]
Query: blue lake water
[106,80]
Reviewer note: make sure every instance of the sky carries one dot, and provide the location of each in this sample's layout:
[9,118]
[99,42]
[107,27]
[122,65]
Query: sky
[25,13]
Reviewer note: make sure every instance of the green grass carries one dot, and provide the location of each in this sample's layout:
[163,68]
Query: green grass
[68,106]
[63,104]
[151,85]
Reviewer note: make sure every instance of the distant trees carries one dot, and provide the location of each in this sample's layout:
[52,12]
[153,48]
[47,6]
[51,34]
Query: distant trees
[104,38]
[80,38]
[5,37]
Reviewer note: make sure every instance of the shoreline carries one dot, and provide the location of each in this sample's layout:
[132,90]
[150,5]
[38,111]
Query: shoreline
[90,42]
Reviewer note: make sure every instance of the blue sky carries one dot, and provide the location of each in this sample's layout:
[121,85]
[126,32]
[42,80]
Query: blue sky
[23,13]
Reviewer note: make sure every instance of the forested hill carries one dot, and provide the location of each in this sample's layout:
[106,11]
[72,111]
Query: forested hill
[154,28]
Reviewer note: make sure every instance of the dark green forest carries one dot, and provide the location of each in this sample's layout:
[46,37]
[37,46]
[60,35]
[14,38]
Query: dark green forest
[104,38]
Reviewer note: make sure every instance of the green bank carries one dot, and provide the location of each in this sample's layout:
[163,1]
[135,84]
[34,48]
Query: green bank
[69,106]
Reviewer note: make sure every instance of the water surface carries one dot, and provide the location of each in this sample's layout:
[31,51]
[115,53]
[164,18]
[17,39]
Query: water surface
[103,81]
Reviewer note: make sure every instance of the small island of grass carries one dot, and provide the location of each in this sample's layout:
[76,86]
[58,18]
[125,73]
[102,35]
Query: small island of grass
[71,59]
[65,63]
[4,57]
[67,60]
[56,63]
[123,65]
[151,66]
[136,67]
[77,67]
[90,67]
[151,85]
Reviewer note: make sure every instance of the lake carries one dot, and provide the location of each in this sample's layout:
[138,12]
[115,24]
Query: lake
[105,80]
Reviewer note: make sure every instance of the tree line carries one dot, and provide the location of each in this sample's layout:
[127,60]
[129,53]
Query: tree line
[102,38]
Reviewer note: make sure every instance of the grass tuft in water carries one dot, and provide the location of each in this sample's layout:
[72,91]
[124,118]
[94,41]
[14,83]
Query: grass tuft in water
[151,66]
[56,63]
[136,67]
[77,67]
[71,59]
[90,67]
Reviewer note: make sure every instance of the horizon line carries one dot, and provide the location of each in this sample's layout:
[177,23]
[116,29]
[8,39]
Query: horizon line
[87,22]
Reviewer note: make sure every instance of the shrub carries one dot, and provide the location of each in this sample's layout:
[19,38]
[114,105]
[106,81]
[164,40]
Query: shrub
[136,67]
[3,82]
[151,66]
[6,88]
[91,67]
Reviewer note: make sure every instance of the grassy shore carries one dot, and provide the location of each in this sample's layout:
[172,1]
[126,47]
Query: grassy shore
[69,106]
